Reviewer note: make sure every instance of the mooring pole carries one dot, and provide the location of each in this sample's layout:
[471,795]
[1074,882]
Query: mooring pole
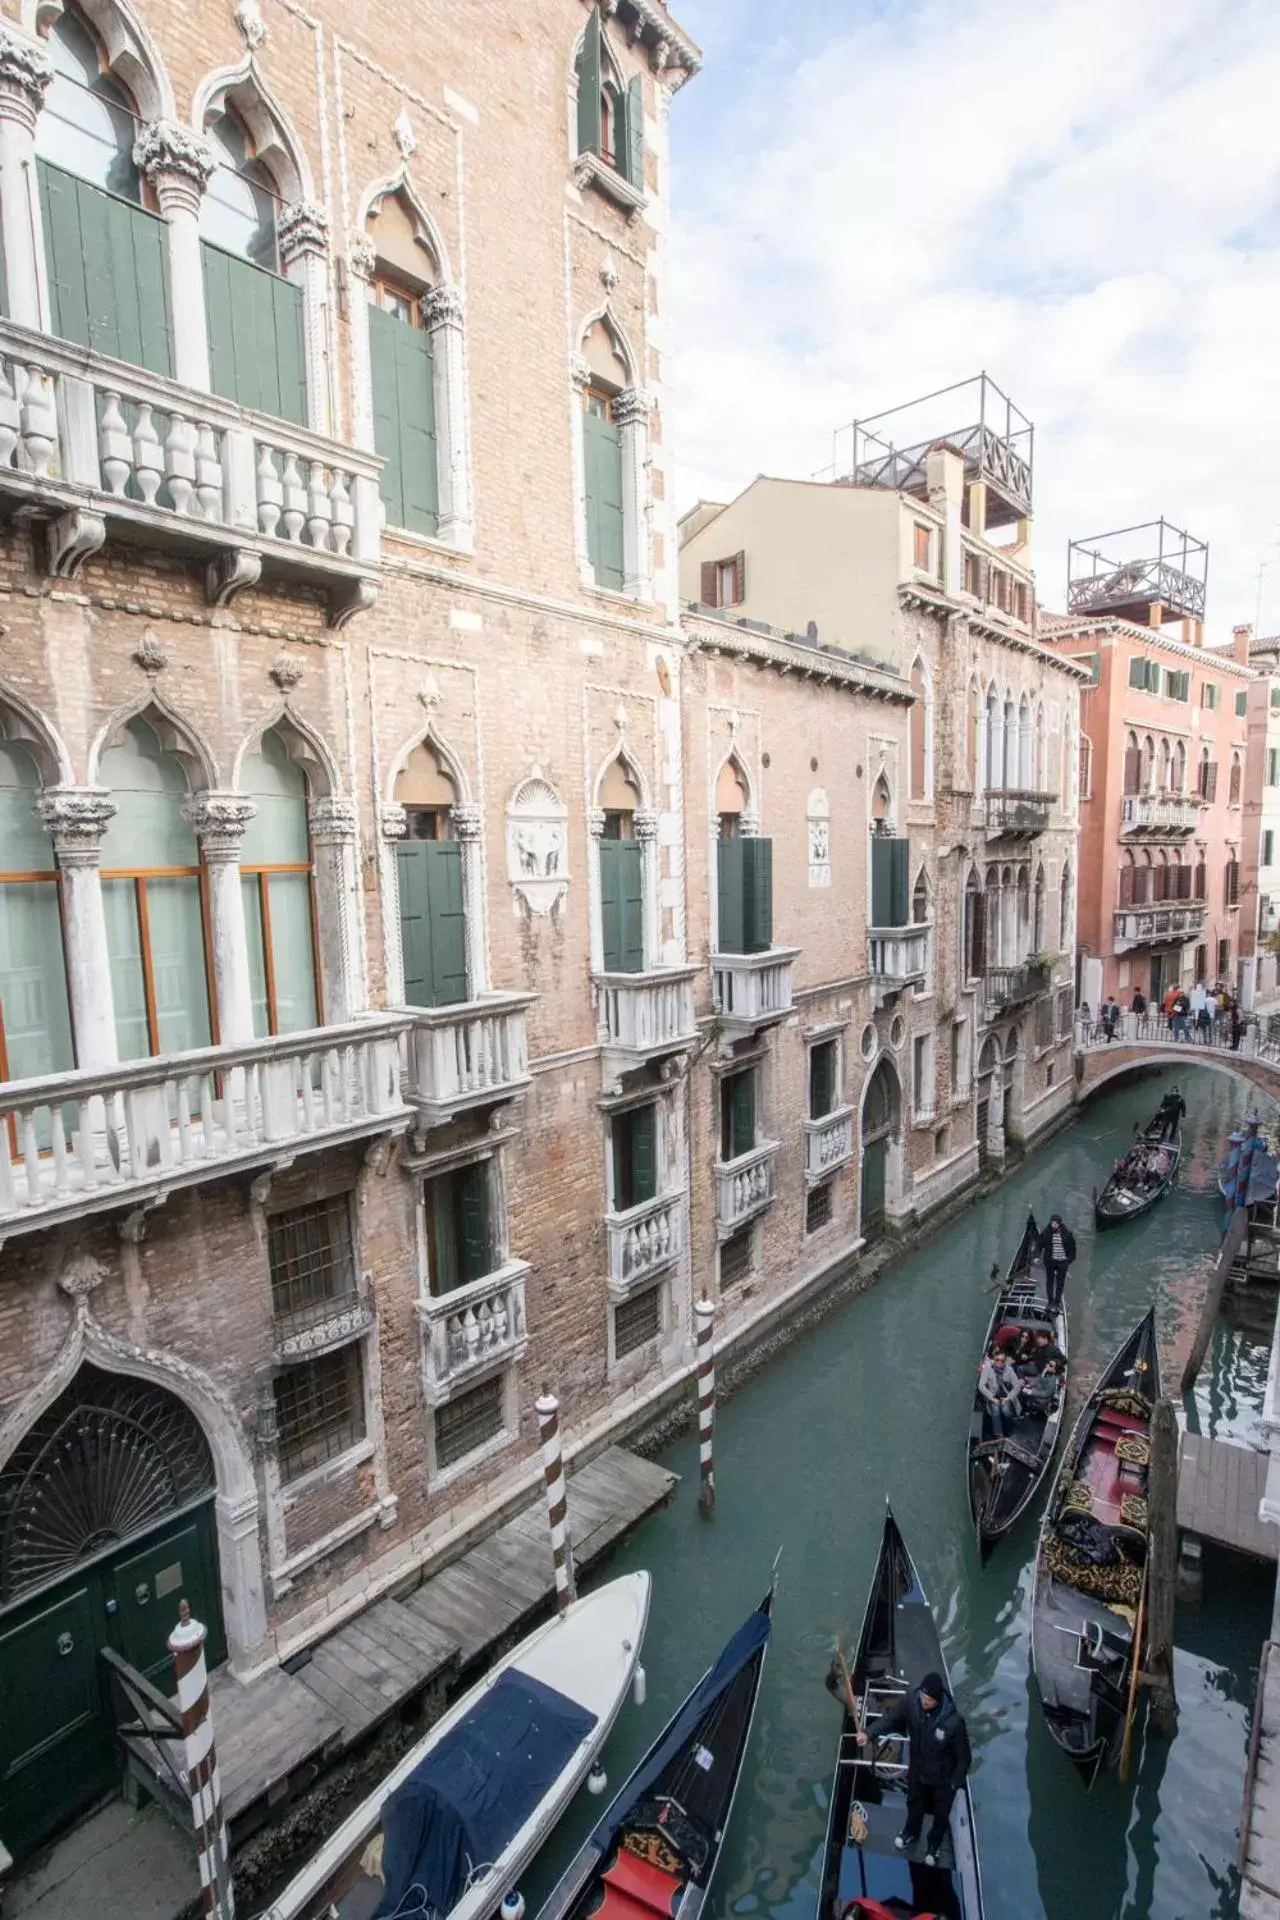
[186,1644]
[1232,1241]
[557,1498]
[1162,1508]
[704,1315]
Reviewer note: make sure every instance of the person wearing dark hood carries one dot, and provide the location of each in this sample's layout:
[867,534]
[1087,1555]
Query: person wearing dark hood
[1057,1250]
[1173,1111]
[938,1758]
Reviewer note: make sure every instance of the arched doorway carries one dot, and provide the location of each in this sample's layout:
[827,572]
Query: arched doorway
[106,1523]
[881,1110]
[988,1083]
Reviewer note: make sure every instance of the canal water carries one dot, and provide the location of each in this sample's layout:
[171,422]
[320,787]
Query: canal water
[873,1402]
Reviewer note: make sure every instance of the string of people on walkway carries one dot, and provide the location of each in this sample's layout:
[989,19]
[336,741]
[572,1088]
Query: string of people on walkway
[1204,1015]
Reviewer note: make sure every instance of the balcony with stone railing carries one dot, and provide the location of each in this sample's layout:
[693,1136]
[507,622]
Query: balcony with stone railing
[1008,987]
[127,1136]
[98,449]
[471,1329]
[897,957]
[1159,924]
[1164,816]
[828,1143]
[752,990]
[744,1187]
[302,1334]
[473,1053]
[645,1241]
[643,1016]
[1016,813]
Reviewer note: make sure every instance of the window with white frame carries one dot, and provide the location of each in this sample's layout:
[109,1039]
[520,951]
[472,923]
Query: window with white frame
[609,124]
[924,1090]
[469,1421]
[319,1399]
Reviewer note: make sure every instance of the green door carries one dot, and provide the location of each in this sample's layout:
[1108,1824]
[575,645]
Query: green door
[622,905]
[433,922]
[404,420]
[57,1748]
[143,1587]
[874,1155]
[602,459]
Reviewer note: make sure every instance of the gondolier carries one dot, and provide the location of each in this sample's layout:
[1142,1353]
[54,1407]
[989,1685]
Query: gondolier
[1057,1250]
[938,1758]
[1172,1112]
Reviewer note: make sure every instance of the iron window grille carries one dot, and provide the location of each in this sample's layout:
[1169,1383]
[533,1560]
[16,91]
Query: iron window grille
[637,1321]
[817,1208]
[319,1410]
[312,1264]
[467,1422]
[735,1258]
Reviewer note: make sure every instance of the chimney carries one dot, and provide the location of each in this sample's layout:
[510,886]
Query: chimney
[1240,638]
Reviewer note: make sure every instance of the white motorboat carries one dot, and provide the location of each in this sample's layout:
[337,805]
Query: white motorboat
[456,1821]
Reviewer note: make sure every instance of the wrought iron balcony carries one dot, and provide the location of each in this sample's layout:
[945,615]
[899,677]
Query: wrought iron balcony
[898,957]
[828,1143]
[1016,812]
[646,1015]
[744,1187]
[127,1136]
[471,1054]
[1158,924]
[1166,816]
[645,1241]
[752,990]
[98,449]
[1014,986]
[475,1327]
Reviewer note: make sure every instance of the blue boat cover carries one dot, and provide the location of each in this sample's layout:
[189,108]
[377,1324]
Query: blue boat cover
[748,1640]
[462,1805]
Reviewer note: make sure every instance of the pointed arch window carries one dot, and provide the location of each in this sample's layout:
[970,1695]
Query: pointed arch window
[973,736]
[992,759]
[254,315]
[1066,910]
[1234,781]
[610,113]
[35,1017]
[105,249]
[433,919]
[1037,921]
[402,365]
[920,727]
[279,902]
[974,925]
[1086,767]
[621,855]
[1132,764]
[1041,775]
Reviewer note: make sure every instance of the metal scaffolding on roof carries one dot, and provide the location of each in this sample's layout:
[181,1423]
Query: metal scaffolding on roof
[994,438]
[1128,572]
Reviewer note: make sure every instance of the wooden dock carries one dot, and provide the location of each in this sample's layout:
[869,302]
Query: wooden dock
[1258,1858]
[1220,1485]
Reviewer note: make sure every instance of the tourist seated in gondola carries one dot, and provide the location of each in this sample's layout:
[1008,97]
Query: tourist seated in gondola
[998,1384]
[1042,1373]
[938,1758]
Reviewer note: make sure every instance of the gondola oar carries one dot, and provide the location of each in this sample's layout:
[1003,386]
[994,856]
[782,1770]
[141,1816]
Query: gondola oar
[1130,1710]
[850,1702]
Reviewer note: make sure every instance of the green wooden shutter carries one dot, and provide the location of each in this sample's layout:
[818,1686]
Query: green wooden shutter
[644,1170]
[622,905]
[632,153]
[822,1061]
[257,354]
[890,894]
[415,945]
[384,372]
[602,461]
[433,927]
[729,864]
[107,265]
[742,1113]
[476,1258]
[444,1236]
[404,421]
[757,894]
[589,86]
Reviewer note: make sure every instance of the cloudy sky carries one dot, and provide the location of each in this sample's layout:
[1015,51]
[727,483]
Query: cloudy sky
[876,198]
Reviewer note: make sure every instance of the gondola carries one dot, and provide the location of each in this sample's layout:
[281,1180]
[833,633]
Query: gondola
[1143,1176]
[1005,1473]
[1089,1595]
[863,1874]
[654,1853]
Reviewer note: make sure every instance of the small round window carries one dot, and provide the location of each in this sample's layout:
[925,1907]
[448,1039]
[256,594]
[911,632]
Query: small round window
[868,1042]
[898,1032]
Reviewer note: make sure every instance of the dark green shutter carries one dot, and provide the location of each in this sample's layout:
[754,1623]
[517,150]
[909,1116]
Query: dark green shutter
[404,421]
[444,1237]
[257,355]
[589,86]
[602,462]
[732,929]
[472,1189]
[742,1117]
[107,264]
[822,1062]
[632,153]
[622,905]
[757,902]
[432,922]
[635,1169]
[890,896]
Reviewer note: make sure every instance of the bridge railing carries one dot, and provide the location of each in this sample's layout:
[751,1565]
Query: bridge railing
[1259,1039]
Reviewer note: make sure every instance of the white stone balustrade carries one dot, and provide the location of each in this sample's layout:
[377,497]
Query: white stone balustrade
[333,1324]
[645,1015]
[79,1143]
[97,443]
[744,1187]
[828,1143]
[898,956]
[1162,920]
[473,1328]
[1160,813]
[751,990]
[646,1240]
[471,1054]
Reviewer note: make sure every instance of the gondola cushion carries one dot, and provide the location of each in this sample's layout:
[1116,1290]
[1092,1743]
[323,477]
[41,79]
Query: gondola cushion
[642,1881]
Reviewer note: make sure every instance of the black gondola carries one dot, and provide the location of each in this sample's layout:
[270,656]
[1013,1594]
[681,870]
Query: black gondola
[1088,1597]
[1005,1471]
[1143,1176]
[898,1644]
[655,1851]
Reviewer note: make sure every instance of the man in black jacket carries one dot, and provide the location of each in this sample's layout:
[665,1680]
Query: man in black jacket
[938,1758]
[1057,1250]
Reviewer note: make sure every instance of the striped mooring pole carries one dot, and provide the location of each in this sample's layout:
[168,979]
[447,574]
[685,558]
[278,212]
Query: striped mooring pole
[186,1644]
[557,1499]
[704,1315]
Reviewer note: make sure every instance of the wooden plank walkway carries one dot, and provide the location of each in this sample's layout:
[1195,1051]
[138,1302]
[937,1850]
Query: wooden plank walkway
[1259,1855]
[502,1583]
[383,1656]
[265,1733]
[1220,1485]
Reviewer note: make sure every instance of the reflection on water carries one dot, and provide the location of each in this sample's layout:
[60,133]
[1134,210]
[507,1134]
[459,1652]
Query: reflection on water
[874,1402]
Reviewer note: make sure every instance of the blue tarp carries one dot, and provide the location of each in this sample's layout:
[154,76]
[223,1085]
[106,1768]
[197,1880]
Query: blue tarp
[749,1638]
[462,1806]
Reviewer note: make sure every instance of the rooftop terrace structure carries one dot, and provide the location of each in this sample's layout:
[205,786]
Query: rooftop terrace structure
[1147,573]
[994,438]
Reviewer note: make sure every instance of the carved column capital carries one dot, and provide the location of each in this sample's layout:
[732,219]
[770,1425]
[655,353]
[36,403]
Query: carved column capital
[595,822]
[393,820]
[749,824]
[302,228]
[76,818]
[362,256]
[581,373]
[26,73]
[645,824]
[177,161]
[468,821]
[333,820]
[441,307]
[631,407]
[219,821]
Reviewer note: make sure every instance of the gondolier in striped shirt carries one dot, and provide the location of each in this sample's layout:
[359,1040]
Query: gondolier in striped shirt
[1057,1250]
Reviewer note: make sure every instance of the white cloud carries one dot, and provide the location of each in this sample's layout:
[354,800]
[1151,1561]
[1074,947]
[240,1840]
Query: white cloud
[1082,197]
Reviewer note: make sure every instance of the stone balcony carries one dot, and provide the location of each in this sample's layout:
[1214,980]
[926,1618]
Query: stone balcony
[1008,987]
[473,1053]
[128,1136]
[471,1329]
[1016,813]
[828,1143]
[331,1323]
[897,957]
[744,1187]
[1161,923]
[644,1016]
[645,1241]
[100,450]
[752,990]
[1163,816]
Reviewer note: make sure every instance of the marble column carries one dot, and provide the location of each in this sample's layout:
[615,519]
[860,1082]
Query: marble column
[178,163]
[442,318]
[25,76]
[394,824]
[219,821]
[468,824]
[581,381]
[595,899]
[631,415]
[304,256]
[646,831]
[339,907]
[361,261]
[76,819]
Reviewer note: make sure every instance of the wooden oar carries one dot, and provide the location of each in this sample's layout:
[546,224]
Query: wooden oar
[1127,1743]
[848,1682]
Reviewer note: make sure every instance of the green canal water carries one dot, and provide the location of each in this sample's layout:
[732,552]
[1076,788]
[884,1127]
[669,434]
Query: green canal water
[874,1402]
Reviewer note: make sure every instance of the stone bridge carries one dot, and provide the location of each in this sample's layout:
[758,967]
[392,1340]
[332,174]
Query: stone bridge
[1098,1062]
